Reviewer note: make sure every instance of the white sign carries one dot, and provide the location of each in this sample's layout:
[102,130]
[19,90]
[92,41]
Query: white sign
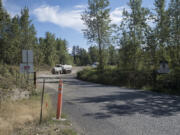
[164,68]
[27,56]
[26,68]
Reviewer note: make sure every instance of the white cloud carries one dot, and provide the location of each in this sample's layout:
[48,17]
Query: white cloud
[53,14]
[70,50]
[80,6]
[117,14]
[70,18]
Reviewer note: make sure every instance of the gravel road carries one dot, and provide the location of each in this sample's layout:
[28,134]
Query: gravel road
[96,109]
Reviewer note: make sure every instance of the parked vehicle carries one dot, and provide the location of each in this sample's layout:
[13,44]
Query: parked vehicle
[57,69]
[66,69]
[61,69]
[95,64]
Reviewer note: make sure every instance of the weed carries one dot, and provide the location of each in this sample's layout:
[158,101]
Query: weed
[13,115]
[68,132]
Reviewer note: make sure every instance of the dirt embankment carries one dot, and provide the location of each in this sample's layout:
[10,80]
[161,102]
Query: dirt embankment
[20,115]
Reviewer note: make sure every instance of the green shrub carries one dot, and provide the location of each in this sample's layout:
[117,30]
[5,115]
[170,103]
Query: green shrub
[168,83]
[4,71]
[11,78]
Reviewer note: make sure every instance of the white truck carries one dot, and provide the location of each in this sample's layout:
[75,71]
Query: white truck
[61,69]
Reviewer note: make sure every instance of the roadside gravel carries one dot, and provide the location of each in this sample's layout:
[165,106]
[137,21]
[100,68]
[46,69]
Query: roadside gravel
[96,109]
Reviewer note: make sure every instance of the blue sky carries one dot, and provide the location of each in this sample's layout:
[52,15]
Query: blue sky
[62,17]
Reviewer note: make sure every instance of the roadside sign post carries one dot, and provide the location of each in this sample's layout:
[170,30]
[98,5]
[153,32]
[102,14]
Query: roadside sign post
[164,68]
[26,68]
[27,56]
[27,63]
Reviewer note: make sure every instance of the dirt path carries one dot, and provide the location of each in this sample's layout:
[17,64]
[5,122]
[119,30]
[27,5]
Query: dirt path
[99,109]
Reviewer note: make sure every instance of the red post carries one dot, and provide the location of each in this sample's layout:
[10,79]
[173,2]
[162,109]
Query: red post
[59,102]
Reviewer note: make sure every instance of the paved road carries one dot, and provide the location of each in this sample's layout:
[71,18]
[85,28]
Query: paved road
[97,109]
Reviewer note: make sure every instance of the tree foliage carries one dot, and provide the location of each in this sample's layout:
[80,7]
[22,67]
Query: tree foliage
[144,39]
[97,20]
[18,33]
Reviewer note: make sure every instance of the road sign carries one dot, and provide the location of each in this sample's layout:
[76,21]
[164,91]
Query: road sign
[27,56]
[164,68]
[26,68]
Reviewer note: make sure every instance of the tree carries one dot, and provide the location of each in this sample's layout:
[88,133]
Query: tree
[125,52]
[50,49]
[74,53]
[39,53]
[133,27]
[81,56]
[15,43]
[4,33]
[162,27]
[93,53]
[18,33]
[98,31]
[28,32]
[84,57]
[174,35]
[62,52]
[113,56]
[151,59]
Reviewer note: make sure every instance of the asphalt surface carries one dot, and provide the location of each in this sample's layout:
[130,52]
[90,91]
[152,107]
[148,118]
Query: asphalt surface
[96,109]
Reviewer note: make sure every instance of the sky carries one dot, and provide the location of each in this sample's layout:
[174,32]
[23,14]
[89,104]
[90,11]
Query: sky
[63,17]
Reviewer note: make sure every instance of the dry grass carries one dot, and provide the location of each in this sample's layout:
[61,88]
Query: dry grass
[14,115]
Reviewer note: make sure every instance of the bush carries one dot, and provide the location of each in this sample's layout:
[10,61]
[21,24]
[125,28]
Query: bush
[168,83]
[11,78]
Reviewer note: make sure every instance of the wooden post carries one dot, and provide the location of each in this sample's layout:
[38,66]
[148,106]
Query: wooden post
[154,79]
[42,98]
[16,80]
[21,79]
[35,79]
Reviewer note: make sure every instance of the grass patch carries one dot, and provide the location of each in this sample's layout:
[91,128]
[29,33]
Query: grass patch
[43,67]
[68,132]
[14,115]
[10,78]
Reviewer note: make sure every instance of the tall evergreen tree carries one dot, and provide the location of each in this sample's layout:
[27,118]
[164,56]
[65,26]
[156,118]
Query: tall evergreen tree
[28,32]
[62,51]
[50,54]
[39,53]
[93,53]
[74,54]
[15,42]
[5,23]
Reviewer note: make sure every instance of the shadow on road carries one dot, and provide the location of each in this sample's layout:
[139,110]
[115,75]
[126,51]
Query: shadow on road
[98,115]
[49,81]
[75,82]
[132,102]
[125,102]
